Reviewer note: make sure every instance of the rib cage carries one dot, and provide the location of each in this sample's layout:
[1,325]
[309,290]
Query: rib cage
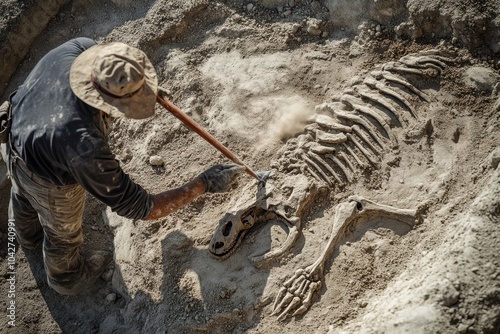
[349,135]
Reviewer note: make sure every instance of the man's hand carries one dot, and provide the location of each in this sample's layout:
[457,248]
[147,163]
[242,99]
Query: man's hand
[218,178]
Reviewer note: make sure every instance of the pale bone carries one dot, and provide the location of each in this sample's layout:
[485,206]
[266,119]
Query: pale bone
[358,160]
[357,105]
[397,67]
[372,83]
[361,121]
[372,160]
[346,159]
[318,148]
[330,138]
[293,234]
[423,62]
[319,171]
[401,81]
[341,166]
[330,123]
[346,213]
[385,102]
[323,163]
[362,135]
[289,207]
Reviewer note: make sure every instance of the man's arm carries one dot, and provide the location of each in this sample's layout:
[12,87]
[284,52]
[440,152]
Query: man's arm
[171,200]
[215,179]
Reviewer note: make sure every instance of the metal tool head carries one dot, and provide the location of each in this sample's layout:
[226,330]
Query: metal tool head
[263,175]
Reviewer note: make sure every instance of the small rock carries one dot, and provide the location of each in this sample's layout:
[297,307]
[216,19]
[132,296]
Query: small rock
[481,78]
[295,28]
[250,6]
[313,27]
[462,328]
[450,295]
[495,158]
[156,160]
[313,31]
[111,297]
[315,5]
[107,275]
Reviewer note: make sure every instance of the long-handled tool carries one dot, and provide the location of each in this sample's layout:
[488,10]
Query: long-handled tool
[190,123]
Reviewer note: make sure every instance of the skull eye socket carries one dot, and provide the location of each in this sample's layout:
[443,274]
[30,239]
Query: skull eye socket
[227,229]
[359,206]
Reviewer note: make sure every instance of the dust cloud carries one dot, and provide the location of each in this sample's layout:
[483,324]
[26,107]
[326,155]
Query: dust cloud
[292,121]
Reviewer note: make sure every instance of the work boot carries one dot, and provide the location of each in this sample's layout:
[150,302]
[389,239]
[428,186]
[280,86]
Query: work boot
[93,268]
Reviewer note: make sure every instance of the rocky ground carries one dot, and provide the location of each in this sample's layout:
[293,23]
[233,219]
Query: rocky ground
[251,73]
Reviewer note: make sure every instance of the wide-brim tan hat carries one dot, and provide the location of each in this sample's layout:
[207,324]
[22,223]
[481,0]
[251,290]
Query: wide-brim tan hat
[117,79]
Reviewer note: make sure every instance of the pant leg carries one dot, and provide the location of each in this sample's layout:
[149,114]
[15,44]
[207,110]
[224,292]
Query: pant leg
[60,212]
[27,225]
[64,238]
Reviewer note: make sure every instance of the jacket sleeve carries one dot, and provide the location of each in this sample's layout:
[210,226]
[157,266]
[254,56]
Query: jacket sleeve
[95,168]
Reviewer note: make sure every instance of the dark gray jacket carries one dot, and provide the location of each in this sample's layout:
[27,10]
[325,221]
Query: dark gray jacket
[64,140]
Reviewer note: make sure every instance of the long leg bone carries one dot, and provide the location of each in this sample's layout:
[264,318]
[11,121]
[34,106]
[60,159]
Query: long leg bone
[291,301]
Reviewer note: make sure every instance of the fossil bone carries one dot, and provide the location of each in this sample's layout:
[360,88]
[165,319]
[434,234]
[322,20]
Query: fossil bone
[314,160]
[346,213]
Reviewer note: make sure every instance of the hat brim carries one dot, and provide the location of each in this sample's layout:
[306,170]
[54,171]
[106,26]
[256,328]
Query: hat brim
[140,105]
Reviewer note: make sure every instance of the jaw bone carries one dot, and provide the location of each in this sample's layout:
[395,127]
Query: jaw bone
[268,204]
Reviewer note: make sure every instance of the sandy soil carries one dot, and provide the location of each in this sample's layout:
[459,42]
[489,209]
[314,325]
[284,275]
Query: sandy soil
[251,73]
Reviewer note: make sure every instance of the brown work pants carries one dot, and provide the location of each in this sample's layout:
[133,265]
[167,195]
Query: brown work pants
[39,210]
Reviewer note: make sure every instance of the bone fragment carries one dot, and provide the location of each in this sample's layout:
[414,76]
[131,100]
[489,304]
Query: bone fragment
[383,101]
[361,121]
[346,159]
[330,123]
[296,284]
[295,302]
[354,155]
[370,82]
[330,138]
[323,163]
[363,136]
[281,294]
[319,171]
[293,225]
[423,62]
[341,166]
[318,148]
[400,81]
[311,127]
[364,151]
[381,118]
[356,207]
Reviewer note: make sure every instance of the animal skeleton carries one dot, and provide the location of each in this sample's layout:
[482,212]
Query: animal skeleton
[343,140]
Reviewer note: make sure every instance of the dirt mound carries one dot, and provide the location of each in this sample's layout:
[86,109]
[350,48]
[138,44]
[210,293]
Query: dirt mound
[252,73]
